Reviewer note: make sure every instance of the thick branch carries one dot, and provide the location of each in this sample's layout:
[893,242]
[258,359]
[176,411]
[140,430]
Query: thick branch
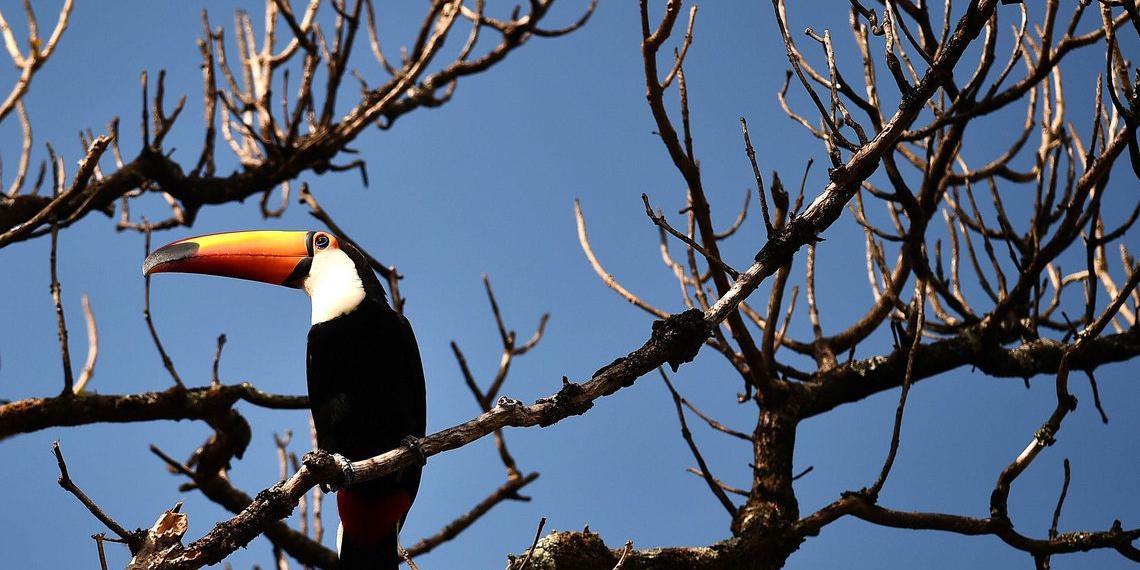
[22,217]
[587,551]
[860,379]
[34,414]
[861,507]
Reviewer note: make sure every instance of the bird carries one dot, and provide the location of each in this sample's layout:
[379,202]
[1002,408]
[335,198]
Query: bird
[365,379]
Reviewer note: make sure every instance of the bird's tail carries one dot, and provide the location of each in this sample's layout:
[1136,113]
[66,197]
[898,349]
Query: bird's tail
[369,526]
[377,555]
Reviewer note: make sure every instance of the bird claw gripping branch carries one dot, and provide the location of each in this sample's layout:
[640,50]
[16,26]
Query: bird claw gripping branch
[321,462]
[416,445]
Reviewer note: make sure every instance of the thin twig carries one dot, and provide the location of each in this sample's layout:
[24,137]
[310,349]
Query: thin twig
[920,321]
[1096,396]
[709,256]
[680,59]
[92,348]
[506,491]
[99,538]
[1060,502]
[625,550]
[407,558]
[65,352]
[216,381]
[166,361]
[709,479]
[713,423]
[131,538]
[534,543]
[721,484]
[606,277]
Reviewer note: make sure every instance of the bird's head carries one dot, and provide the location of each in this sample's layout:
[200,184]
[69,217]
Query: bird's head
[334,274]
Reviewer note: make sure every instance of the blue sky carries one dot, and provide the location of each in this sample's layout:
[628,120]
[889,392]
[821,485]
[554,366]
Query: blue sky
[486,184]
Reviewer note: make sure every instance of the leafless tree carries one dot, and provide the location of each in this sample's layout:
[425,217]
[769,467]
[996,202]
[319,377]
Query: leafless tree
[993,298]
[275,141]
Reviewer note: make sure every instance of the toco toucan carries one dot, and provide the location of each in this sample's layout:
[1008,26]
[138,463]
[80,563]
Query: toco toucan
[365,379]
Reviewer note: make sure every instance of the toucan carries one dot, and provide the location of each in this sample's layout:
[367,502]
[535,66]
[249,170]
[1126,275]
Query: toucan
[365,379]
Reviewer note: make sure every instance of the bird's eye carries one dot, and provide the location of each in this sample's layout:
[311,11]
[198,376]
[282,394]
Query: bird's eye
[321,241]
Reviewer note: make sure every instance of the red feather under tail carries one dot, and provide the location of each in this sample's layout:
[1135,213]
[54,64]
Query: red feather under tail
[369,524]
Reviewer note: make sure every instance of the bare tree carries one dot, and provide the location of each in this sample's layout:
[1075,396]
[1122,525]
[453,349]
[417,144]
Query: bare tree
[275,141]
[993,298]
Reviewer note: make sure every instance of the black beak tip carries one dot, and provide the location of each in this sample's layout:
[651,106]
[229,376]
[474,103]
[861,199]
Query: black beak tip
[167,254]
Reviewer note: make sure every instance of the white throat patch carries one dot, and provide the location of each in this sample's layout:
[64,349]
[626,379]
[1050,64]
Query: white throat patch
[333,285]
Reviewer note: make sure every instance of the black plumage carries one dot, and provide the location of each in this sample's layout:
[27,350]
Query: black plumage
[366,382]
[367,394]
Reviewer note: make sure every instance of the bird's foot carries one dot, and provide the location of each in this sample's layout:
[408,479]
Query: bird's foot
[324,462]
[416,445]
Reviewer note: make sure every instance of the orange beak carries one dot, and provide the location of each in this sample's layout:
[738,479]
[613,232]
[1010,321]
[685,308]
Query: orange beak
[280,258]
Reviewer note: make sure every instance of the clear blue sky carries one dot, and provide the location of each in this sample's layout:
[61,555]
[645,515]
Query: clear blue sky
[486,184]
